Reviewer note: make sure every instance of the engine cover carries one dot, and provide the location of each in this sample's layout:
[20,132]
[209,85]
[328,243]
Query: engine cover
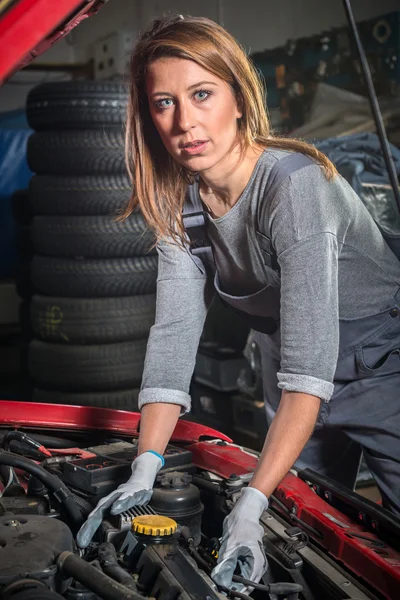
[30,544]
[167,572]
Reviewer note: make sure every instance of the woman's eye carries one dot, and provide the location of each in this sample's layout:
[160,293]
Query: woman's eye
[202,95]
[164,103]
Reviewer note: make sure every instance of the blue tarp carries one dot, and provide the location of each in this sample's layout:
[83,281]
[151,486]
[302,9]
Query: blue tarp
[14,174]
[359,158]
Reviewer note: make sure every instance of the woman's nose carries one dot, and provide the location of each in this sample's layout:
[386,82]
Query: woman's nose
[185,116]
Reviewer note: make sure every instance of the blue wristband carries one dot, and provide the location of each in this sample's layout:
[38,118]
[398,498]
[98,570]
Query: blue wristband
[159,456]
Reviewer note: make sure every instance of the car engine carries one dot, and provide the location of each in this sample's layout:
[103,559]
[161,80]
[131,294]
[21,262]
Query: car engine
[165,550]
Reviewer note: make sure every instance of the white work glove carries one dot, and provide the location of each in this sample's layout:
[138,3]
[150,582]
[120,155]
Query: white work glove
[135,492]
[241,542]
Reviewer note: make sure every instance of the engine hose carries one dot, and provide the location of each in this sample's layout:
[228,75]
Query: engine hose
[205,484]
[279,589]
[233,593]
[57,488]
[199,559]
[47,440]
[190,547]
[53,442]
[23,438]
[96,581]
[83,504]
[109,563]
[29,589]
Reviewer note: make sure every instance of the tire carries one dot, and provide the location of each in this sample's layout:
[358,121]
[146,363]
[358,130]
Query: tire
[76,104]
[96,195]
[23,347]
[23,240]
[24,287]
[119,400]
[92,320]
[25,321]
[94,278]
[83,152]
[87,368]
[20,207]
[92,237]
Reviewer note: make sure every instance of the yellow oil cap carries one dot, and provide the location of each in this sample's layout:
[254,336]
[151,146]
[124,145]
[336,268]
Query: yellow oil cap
[154,525]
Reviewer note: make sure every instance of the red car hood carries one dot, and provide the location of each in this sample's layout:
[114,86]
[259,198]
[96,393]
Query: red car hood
[29,27]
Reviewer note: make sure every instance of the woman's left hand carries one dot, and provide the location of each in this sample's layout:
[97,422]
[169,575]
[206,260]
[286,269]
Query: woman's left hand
[241,543]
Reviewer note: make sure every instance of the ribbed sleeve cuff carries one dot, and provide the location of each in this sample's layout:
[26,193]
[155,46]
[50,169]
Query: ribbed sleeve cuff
[306,384]
[151,395]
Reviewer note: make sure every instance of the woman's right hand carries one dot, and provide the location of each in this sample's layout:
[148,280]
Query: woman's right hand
[135,492]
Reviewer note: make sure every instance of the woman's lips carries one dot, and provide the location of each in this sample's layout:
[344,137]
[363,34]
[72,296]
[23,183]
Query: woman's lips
[196,149]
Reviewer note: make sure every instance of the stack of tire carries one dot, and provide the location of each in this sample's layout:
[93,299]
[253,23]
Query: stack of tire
[21,213]
[93,276]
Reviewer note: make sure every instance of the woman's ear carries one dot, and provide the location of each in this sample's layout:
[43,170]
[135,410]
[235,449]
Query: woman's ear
[239,105]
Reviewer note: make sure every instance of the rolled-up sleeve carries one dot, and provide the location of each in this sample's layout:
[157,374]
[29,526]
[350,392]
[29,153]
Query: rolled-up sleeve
[184,294]
[304,227]
[309,317]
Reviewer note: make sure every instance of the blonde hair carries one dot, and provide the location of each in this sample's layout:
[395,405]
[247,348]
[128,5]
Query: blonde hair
[159,182]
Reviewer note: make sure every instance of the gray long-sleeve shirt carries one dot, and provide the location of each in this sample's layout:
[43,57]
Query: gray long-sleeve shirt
[334,264]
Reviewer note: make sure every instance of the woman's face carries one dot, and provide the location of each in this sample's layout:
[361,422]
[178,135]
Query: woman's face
[194,112]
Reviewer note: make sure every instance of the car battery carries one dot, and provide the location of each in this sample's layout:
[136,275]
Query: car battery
[110,465]
[249,421]
[212,408]
[219,367]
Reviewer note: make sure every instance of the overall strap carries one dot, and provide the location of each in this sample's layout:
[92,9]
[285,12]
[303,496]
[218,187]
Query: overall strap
[194,220]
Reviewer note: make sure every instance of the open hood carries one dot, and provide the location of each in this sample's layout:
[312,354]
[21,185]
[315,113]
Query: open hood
[29,27]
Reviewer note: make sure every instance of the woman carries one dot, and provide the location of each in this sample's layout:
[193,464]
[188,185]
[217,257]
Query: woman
[291,247]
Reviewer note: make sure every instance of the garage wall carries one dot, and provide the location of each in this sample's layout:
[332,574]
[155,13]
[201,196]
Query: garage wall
[258,24]
[261,25]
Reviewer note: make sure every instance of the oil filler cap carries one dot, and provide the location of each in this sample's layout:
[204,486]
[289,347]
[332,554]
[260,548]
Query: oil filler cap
[154,525]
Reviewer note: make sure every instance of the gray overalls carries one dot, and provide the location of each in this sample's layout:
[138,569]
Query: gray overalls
[363,414]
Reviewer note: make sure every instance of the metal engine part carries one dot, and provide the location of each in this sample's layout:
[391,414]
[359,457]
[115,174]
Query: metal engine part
[29,547]
[116,526]
[23,505]
[168,572]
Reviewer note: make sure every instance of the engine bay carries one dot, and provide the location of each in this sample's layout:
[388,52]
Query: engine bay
[51,480]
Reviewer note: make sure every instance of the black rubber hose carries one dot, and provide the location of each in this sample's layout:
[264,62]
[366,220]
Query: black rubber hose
[53,442]
[46,440]
[14,435]
[189,542]
[57,488]
[205,484]
[28,589]
[109,563]
[83,504]
[37,594]
[96,581]
[280,589]
[199,559]
[8,476]
[233,593]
